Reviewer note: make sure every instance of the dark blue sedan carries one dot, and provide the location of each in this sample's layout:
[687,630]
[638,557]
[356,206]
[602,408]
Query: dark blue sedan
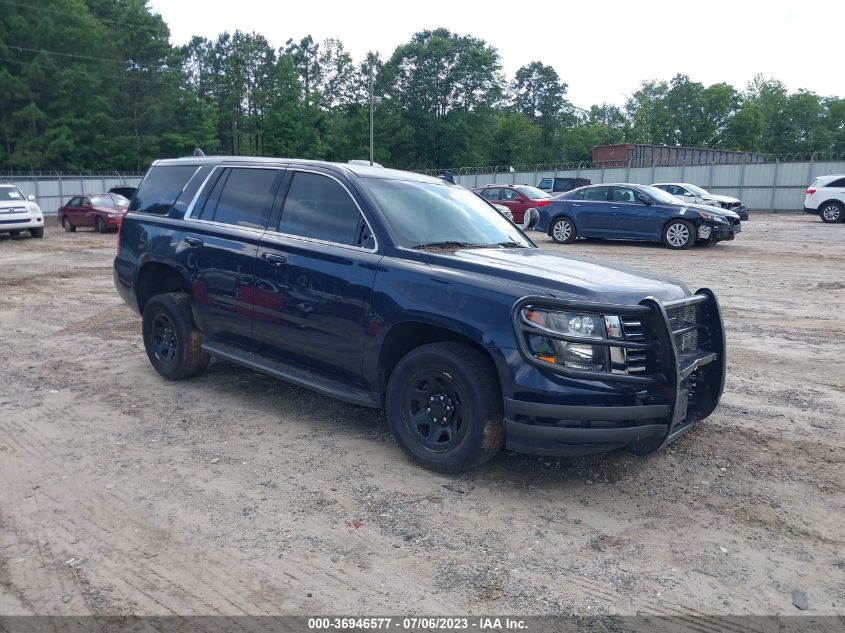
[634,212]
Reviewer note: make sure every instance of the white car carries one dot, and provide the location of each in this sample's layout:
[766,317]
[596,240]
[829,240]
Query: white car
[694,193]
[19,212]
[826,196]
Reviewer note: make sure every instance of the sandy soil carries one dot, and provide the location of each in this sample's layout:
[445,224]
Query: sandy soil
[238,494]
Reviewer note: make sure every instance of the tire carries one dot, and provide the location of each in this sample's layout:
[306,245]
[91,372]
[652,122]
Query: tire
[67,225]
[563,231]
[458,382]
[171,337]
[832,212]
[100,225]
[39,232]
[14,233]
[679,234]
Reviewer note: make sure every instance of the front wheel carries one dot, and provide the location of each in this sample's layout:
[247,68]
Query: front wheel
[444,406]
[563,231]
[679,234]
[832,213]
[171,339]
[39,232]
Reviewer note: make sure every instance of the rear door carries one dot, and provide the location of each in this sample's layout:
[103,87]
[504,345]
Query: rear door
[220,246]
[595,215]
[315,275]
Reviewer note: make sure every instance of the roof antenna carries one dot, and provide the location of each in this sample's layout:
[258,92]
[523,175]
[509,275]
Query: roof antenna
[199,152]
[448,177]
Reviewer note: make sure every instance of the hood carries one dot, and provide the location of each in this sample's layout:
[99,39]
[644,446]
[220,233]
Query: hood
[22,205]
[535,270]
[714,210]
[719,198]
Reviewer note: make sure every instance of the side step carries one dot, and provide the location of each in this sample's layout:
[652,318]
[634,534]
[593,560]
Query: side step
[296,375]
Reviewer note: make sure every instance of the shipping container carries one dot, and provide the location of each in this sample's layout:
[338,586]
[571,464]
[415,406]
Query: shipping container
[645,155]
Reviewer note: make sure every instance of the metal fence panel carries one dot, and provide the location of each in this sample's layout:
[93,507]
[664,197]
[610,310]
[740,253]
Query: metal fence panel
[762,186]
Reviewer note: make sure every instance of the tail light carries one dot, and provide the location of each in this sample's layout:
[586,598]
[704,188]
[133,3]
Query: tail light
[119,231]
[543,203]
[810,191]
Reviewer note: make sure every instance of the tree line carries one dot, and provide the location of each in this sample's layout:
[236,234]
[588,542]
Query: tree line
[96,85]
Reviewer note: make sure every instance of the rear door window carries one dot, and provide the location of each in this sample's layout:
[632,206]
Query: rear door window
[319,207]
[490,194]
[596,193]
[245,198]
[837,183]
[160,188]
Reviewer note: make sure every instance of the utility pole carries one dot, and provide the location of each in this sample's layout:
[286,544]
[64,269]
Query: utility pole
[372,108]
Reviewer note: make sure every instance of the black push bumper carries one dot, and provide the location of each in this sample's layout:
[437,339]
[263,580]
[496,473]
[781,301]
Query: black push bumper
[683,386]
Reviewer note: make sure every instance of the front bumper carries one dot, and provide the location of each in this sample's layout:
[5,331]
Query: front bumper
[21,223]
[681,387]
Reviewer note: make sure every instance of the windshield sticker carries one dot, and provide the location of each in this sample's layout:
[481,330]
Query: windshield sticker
[13,194]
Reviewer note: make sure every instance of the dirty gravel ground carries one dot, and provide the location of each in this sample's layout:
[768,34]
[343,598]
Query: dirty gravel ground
[234,493]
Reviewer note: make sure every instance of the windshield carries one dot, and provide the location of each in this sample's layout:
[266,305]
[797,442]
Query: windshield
[532,192]
[11,193]
[423,213]
[697,190]
[660,195]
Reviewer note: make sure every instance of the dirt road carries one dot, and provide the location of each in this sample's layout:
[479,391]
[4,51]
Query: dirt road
[237,494]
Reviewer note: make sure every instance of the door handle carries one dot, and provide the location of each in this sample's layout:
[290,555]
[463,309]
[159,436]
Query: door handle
[614,207]
[193,241]
[273,259]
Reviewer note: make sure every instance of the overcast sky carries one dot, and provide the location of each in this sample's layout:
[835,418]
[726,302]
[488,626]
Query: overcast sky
[601,49]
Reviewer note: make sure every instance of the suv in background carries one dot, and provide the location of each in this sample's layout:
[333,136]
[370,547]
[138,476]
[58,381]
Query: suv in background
[394,290]
[687,192]
[561,185]
[826,196]
[518,198]
[19,212]
[127,191]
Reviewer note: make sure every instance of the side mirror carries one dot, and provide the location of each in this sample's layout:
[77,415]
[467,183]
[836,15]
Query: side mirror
[31,198]
[645,199]
[687,194]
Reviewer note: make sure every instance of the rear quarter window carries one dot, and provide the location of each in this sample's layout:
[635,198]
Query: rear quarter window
[160,188]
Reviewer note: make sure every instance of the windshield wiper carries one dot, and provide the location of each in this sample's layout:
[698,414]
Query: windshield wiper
[447,245]
[511,244]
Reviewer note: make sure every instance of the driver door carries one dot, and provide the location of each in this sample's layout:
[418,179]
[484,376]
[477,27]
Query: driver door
[634,218]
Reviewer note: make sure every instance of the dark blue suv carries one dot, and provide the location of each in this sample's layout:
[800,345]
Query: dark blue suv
[635,212]
[393,290]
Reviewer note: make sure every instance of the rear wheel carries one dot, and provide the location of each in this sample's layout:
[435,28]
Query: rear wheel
[67,225]
[171,338]
[39,232]
[832,212]
[100,225]
[444,406]
[679,234]
[563,231]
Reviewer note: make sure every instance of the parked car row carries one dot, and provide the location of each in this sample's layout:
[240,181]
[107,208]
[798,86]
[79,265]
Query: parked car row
[635,212]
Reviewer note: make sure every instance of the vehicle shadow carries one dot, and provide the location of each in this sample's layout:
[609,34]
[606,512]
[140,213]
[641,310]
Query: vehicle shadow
[346,423]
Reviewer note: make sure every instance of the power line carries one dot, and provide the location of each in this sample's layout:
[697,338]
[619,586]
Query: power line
[22,5]
[74,56]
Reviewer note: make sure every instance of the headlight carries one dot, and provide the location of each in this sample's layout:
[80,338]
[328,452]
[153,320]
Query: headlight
[33,208]
[710,217]
[569,353]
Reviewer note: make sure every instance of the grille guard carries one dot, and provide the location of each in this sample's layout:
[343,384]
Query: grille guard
[669,372]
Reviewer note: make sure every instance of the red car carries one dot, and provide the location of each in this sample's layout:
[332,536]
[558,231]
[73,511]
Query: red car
[517,198]
[99,211]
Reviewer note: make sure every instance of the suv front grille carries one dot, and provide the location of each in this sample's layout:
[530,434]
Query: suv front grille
[685,322]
